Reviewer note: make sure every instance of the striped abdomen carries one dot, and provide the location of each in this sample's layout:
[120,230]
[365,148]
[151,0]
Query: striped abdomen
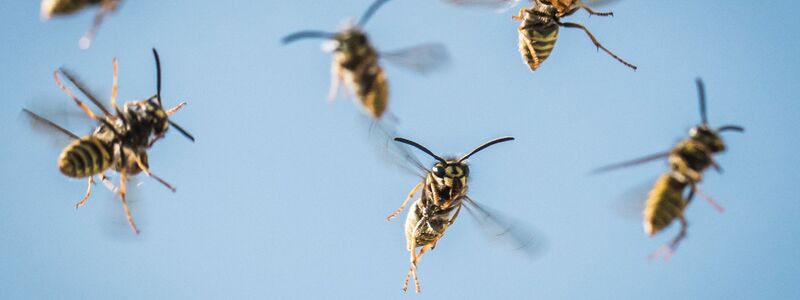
[85,157]
[64,7]
[424,230]
[369,84]
[665,202]
[536,42]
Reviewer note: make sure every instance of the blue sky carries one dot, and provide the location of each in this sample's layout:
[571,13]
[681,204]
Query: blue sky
[282,195]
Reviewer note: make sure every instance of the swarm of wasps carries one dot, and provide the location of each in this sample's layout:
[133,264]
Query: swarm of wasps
[123,135]
[121,139]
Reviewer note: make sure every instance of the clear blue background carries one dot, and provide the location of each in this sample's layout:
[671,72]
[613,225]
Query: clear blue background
[282,195]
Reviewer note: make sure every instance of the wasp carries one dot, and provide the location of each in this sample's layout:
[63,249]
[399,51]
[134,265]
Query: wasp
[356,62]
[443,194]
[688,160]
[51,8]
[541,22]
[121,139]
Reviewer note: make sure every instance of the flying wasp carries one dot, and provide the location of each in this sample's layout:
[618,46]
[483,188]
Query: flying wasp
[541,23]
[51,8]
[444,193]
[356,62]
[119,142]
[688,160]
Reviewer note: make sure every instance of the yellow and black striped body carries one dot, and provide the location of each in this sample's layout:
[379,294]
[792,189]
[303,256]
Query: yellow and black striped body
[688,160]
[665,202]
[432,213]
[64,7]
[356,62]
[538,33]
[86,157]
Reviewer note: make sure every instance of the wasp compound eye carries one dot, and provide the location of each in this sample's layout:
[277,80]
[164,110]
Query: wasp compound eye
[438,170]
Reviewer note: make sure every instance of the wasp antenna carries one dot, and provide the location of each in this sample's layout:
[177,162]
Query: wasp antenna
[736,128]
[420,147]
[370,11]
[182,131]
[701,93]
[158,76]
[485,145]
[307,34]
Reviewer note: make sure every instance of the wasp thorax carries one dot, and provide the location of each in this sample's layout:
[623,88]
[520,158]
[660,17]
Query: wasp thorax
[707,137]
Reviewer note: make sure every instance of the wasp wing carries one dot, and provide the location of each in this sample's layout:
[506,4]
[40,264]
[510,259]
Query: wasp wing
[599,3]
[41,123]
[381,136]
[77,83]
[503,228]
[493,4]
[630,204]
[631,163]
[421,58]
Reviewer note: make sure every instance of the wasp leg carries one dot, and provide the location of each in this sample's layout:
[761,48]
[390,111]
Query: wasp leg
[669,249]
[415,260]
[109,185]
[402,207]
[413,248]
[673,246]
[435,198]
[520,16]
[594,13]
[455,215]
[147,172]
[86,40]
[74,98]
[597,43]
[710,200]
[127,209]
[88,192]
[114,86]
[336,80]
[175,109]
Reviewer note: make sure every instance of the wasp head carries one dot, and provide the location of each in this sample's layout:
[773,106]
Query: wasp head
[452,174]
[708,137]
[350,40]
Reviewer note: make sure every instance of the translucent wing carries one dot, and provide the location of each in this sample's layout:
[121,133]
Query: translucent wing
[381,137]
[505,229]
[599,3]
[631,163]
[77,83]
[57,136]
[630,204]
[421,59]
[41,123]
[494,4]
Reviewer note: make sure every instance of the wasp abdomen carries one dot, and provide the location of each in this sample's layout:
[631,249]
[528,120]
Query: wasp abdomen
[63,7]
[368,83]
[85,157]
[425,226]
[536,42]
[664,203]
